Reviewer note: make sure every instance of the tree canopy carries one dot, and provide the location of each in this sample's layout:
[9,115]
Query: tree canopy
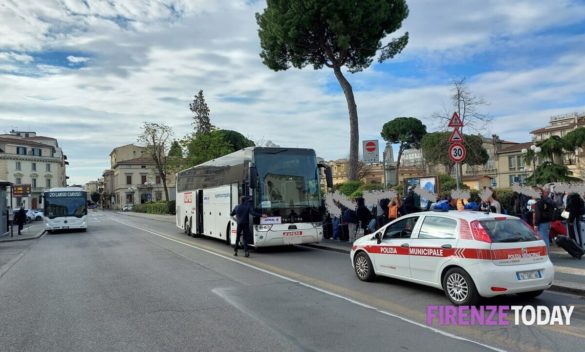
[207,146]
[406,131]
[335,34]
[576,138]
[200,111]
[548,172]
[435,148]
[156,137]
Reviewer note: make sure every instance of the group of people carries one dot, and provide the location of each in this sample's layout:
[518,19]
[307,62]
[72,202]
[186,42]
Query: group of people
[364,220]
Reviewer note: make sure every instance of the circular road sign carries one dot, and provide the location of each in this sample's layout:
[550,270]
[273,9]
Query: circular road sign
[370,146]
[457,152]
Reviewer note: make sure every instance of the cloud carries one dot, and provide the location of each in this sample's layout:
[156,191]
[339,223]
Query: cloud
[77,59]
[122,63]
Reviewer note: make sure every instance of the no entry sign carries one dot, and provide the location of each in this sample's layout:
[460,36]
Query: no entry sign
[457,152]
[371,154]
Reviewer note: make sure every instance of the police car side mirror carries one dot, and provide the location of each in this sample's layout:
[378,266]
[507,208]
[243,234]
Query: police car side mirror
[378,237]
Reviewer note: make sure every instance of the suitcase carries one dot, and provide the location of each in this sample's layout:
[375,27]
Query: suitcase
[570,246]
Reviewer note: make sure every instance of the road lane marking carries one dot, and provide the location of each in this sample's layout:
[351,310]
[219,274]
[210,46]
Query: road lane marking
[316,288]
[569,270]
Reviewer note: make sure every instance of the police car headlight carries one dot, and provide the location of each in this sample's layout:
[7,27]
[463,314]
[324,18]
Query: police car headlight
[263,228]
[317,224]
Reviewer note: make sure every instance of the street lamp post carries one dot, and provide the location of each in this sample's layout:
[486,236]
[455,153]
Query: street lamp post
[535,150]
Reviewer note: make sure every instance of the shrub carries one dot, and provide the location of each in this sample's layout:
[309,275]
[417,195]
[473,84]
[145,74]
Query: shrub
[172,207]
[349,187]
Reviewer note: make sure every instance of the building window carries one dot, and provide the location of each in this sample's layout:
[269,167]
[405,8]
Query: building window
[48,167]
[520,162]
[34,183]
[36,151]
[512,163]
[21,150]
[18,181]
[143,166]
[48,183]
[34,166]
[158,182]
[18,166]
[128,179]
[142,179]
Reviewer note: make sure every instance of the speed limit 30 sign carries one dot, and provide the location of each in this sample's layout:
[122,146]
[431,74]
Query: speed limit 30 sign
[457,152]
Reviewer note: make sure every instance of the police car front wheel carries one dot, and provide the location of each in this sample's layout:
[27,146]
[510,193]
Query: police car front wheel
[459,287]
[363,267]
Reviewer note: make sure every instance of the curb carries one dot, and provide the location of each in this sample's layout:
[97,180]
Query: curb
[23,239]
[557,286]
[327,248]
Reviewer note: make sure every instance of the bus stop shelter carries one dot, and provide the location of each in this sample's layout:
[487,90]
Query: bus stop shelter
[4,206]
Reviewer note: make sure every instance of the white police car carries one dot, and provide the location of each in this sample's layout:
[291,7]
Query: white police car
[468,254]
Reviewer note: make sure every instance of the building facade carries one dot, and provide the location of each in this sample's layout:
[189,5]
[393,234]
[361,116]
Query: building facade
[26,158]
[561,125]
[133,178]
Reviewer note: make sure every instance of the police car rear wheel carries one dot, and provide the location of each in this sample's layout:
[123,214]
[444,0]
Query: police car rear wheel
[363,267]
[459,287]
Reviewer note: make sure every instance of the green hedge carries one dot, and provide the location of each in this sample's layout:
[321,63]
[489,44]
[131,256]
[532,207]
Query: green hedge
[155,207]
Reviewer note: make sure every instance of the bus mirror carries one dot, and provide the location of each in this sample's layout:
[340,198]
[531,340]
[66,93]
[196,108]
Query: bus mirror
[329,177]
[253,177]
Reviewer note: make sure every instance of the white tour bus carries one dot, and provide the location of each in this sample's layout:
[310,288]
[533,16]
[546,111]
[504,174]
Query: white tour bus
[283,183]
[65,208]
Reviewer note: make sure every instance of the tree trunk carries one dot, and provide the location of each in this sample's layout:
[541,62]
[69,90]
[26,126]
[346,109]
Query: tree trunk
[353,123]
[163,177]
[400,150]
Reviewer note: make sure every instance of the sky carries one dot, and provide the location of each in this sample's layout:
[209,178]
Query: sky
[90,72]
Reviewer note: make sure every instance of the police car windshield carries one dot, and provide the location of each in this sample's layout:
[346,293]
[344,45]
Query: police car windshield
[508,230]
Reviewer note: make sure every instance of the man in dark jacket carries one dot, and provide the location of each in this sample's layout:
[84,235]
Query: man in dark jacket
[543,216]
[576,208]
[242,213]
[410,203]
[364,215]
[20,219]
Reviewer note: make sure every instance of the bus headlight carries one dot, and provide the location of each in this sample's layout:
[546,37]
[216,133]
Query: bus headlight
[263,228]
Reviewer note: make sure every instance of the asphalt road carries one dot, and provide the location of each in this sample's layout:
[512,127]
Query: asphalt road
[132,284]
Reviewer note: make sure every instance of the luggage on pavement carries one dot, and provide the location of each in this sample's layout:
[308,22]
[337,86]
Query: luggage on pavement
[570,246]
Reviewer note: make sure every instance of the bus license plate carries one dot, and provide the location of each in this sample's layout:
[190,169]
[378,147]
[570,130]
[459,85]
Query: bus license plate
[529,275]
[293,240]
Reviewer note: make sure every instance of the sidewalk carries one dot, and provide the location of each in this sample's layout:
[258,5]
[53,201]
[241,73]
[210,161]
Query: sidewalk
[569,272]
[30,231]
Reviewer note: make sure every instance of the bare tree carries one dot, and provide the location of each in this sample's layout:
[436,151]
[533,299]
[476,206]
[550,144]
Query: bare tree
[363,170]
[467,105]
[157,137]
[200,114]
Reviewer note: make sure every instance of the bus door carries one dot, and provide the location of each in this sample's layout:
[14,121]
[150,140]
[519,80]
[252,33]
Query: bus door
[199,212]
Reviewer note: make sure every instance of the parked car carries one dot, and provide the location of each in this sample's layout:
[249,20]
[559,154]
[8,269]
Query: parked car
[467,254]
[127,207]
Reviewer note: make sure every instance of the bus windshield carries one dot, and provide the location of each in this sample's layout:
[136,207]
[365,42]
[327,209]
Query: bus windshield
[287,179]
[65,206]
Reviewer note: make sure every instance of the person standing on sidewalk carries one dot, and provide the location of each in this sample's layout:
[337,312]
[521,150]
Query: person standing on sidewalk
[242,214]
[543,215]
[20,219]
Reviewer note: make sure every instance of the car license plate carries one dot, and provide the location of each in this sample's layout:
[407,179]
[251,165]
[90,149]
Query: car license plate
[529,275]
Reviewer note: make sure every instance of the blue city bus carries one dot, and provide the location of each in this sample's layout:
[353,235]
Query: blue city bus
[65,208]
